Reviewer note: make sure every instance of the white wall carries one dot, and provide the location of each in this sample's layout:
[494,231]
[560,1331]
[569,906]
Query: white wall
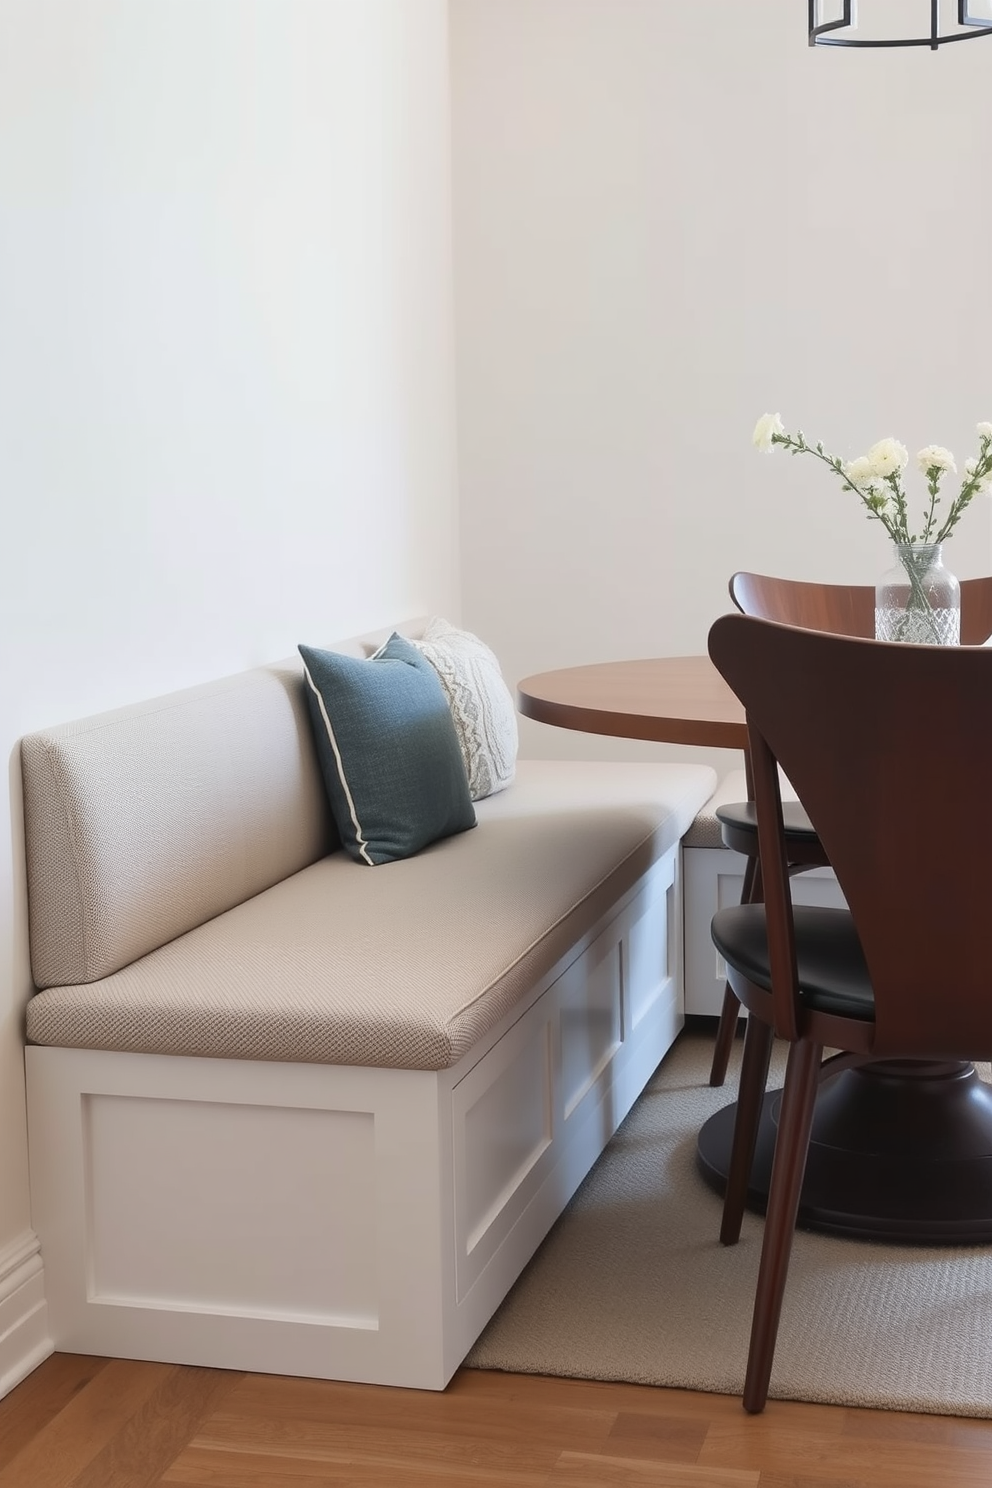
[669,219]
[226,364]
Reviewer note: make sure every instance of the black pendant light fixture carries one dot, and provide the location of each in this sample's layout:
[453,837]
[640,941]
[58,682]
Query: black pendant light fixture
[821,25]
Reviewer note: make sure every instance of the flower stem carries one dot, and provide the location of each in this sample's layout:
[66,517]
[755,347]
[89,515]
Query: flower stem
[798,446]
[910,558]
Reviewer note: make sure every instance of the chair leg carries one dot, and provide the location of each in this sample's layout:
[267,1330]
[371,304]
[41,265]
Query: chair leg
[725,1034]
[788,1168]
[758,1041]
[731,1010]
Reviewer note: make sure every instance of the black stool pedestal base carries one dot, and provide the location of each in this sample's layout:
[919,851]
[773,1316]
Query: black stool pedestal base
[900,1152]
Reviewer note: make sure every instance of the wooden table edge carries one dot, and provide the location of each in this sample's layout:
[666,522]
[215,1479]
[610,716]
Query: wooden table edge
[706,733]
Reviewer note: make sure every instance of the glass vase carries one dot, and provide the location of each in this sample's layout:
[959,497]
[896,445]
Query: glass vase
[918,599]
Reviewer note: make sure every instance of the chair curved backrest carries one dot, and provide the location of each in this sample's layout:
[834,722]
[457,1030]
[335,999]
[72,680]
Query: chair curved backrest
[846,609]
[887,746]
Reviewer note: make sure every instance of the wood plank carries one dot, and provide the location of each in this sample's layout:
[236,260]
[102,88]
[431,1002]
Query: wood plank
[204,1468]
[153,1436]
[661,1437]
[514,1456]
[37,1400]
[769,1443]
[579,1470]
[962,1433]
[322,1413]
[119,1424]
[58,1454]
[779,1480]
[612,1395]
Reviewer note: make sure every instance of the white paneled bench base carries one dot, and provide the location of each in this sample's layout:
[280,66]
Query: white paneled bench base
[713,877]
[293,1114]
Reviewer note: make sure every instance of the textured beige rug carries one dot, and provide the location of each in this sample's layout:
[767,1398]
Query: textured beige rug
[633,1284]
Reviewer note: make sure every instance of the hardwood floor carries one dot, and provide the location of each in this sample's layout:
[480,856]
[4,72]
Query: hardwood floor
[81,1422]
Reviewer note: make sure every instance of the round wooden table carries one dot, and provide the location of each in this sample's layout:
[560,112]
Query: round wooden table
[671,700]
[900,1150]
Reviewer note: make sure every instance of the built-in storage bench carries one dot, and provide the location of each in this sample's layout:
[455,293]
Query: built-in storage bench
[290,1113]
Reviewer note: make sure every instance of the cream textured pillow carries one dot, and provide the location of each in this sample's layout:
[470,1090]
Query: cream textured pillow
[481,704]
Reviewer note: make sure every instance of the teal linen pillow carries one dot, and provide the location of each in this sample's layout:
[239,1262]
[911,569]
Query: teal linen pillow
[388,750]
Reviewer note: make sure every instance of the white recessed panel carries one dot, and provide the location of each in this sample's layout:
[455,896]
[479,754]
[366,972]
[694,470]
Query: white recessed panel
[648,950]
[507,1127]
[193,1205]
[729,887]
[590,1018]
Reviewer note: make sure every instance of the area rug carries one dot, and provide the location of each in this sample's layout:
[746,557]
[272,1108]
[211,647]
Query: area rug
[633,1284]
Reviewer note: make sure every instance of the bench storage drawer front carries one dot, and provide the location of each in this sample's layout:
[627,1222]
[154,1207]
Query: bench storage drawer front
[566,1071]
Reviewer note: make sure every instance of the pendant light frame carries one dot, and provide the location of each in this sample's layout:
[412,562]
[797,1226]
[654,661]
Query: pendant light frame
[818,30]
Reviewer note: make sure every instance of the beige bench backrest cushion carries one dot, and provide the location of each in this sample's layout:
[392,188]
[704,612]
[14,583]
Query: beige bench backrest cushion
[147,821]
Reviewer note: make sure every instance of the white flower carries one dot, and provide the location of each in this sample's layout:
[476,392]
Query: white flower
[767,425]
[888,456]
[935,457]
[876,478]
[861,472]
[985,484]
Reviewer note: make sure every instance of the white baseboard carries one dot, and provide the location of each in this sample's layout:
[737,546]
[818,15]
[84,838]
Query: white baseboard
[24,1336]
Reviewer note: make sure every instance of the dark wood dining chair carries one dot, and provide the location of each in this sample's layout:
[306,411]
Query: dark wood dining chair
[876,738]
[842,609]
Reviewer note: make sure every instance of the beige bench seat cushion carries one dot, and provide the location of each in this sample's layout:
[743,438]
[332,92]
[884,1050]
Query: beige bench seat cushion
[407,964]
[705,830]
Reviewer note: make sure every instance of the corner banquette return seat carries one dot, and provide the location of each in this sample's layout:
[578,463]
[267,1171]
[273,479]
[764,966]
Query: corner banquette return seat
[295,1114]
